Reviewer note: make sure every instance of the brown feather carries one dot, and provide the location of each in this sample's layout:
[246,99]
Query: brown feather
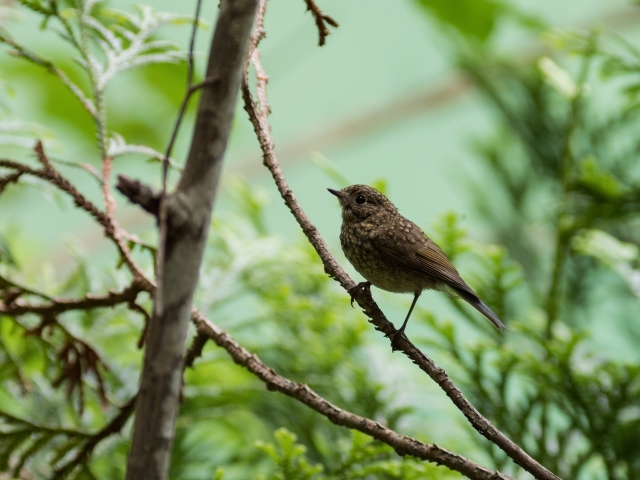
[421,254]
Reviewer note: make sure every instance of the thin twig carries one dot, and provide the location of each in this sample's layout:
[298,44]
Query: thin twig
[185,100]
[192,43]
[402,444]
[133,306]
[162,207]
[139,193]
[258,30]
[112,428]
[321,20]
[11,178]
[261,80]
[176,127]
[111,228]
[198,343]
[77,358]
[481,424]
[83,11]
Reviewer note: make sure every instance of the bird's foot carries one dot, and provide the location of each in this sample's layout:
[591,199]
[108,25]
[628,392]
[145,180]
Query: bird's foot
[395,339]
[353,290]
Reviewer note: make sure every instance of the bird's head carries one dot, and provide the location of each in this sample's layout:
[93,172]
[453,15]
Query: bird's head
[359,202]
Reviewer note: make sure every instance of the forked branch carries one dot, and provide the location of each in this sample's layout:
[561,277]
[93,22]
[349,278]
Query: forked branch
[322,20]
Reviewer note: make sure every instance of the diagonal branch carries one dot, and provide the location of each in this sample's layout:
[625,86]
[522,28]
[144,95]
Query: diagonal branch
[112,230]
[402,444]
[114,427]
[258,117]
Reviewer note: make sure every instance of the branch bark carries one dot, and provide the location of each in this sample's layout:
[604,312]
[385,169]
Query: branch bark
[402,444]
[258,117]
[187,215]
[16,307]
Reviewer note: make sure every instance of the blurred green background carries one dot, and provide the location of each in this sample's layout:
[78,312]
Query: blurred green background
[445,105]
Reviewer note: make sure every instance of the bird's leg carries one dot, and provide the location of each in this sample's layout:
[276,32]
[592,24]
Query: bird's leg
[398,335]
[353,290]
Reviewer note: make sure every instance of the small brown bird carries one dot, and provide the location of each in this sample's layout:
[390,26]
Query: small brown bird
[393,254]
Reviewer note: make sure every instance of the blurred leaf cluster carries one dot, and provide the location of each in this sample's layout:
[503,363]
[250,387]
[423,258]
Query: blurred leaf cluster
[362,459]
[565,185]
[475,21]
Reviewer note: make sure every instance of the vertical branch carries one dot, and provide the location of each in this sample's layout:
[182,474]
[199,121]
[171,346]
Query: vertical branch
[162,212]
[188,215]
[109,201]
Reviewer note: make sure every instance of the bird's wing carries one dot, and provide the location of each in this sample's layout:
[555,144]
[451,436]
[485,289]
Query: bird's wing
[411,248]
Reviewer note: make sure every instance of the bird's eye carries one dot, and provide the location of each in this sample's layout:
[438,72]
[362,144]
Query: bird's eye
[361,199]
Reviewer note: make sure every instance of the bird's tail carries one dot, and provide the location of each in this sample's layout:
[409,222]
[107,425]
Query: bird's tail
[476,303]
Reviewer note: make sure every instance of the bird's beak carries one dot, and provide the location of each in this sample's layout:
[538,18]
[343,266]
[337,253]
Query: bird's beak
[335,192]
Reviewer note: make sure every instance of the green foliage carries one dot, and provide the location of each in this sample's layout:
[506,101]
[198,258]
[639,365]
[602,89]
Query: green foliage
[293,303]
[6,255]
[476,20]
[107,42]
[473,18]
[565,186]
[289,458]
[561,203]
[21,440]
[363,459]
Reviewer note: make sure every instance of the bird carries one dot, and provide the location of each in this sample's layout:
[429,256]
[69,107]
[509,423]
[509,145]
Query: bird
[394,254]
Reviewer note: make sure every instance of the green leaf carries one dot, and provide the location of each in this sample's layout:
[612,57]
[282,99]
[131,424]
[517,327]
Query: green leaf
[594,177]
[471,18]
[558,78]
[291,463]
[6,256]
[330,169]
[381,185]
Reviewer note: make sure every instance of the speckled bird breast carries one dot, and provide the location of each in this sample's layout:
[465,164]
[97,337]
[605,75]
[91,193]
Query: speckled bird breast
[379,269]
